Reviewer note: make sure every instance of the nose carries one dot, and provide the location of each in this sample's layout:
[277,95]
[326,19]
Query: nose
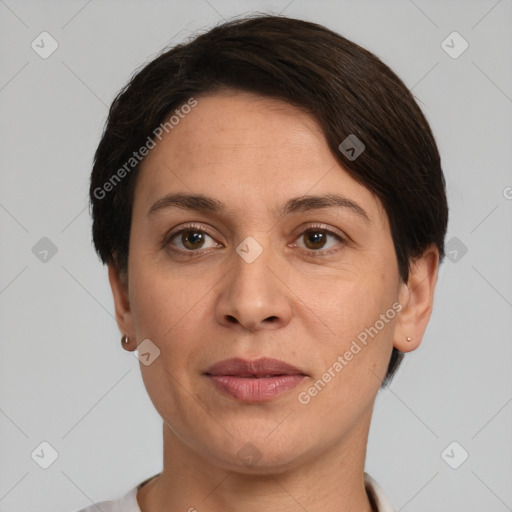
[253,295]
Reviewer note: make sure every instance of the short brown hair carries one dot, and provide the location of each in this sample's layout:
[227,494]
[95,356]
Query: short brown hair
[346,88]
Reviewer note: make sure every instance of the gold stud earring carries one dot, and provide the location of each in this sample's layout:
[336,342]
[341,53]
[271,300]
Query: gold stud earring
[125,340]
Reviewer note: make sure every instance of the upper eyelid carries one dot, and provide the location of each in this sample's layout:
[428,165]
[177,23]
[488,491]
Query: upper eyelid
[324,227]
[188,227]
[319,226]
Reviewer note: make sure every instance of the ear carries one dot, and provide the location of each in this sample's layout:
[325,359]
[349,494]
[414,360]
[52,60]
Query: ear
[124,318]
[417,299]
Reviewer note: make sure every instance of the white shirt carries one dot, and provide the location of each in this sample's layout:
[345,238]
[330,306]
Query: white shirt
[128,502]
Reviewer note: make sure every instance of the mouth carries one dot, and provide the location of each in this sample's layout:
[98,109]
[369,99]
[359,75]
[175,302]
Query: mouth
[254,381]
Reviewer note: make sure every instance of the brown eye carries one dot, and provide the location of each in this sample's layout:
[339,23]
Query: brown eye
[192,239]
[319,241]
[314,239]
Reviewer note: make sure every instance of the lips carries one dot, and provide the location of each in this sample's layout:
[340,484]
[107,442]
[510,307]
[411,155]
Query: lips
[258,368]
[259,380]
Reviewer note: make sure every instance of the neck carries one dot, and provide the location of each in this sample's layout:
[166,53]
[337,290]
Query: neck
[332,481]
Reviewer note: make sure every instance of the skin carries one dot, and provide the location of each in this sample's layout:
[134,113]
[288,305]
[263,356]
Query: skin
[254,154]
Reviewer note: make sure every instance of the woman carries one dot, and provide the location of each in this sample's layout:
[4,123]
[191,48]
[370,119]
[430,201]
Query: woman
[270,203]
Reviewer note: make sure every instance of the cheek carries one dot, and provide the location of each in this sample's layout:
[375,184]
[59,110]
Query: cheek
[354,304]
[172,311]
[360,315]
[156,309]
[166,313]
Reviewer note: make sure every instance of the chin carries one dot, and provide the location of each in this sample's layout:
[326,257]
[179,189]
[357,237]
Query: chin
[250,460]
[254,451]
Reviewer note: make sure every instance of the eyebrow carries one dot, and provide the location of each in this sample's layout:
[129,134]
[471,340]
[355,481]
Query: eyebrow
[203,203]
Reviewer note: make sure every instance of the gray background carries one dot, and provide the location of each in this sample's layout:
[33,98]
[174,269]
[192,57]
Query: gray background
[63,374]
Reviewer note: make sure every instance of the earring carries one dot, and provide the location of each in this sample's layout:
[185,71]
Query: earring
[408,339]
[125,340]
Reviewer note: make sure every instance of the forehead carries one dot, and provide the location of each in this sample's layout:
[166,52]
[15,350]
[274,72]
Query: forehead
[241,124]
[237,142]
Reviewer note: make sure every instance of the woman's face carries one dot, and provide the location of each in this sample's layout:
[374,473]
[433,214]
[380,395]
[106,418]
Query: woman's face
[261,270]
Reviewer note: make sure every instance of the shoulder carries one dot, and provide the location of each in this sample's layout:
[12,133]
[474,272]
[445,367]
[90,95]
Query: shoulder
[377,496]
[126,503]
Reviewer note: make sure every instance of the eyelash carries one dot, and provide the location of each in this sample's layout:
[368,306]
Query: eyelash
[166,242]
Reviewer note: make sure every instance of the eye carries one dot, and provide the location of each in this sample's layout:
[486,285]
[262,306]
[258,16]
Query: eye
[316,240]
[189,239]
[319,240]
